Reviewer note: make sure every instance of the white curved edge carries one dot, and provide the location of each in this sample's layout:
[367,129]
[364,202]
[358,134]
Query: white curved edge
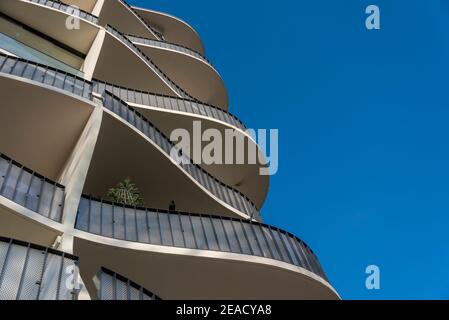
[238,213]
[217,255]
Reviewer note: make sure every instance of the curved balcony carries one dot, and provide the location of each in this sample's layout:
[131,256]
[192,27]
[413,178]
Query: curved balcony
[173,29]
[270,253]
[31,206]
[246,177]
[45,110]
[73,86]
[188,68]
[222,192]
[30,190]
[131,67]
[32,272]
[112,286]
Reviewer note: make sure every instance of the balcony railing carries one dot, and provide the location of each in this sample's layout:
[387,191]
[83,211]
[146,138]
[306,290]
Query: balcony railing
[67,9]
[31,272]
[112,286]
[168,103]
[168,45]
[72,84]
[225,193]
[45,75]
[173,86]
[31,190]
[193,231]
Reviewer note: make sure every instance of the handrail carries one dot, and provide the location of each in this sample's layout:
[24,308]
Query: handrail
[168,102]
[113,286]
[225,193]
[30,189]
[32,272]
[194,231]
[56,4]
[168,45]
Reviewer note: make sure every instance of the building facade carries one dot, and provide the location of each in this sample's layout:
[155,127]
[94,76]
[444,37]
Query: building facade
[92,90]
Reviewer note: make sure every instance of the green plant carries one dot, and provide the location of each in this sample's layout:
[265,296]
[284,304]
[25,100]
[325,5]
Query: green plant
[126,193]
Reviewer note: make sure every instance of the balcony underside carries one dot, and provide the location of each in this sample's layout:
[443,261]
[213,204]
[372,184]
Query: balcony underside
[195,76]
[22,224]
[173,29]
[40,126]
[174,273]
[123,152]
[245,177]
[119,65]
[116,14]
[52,23]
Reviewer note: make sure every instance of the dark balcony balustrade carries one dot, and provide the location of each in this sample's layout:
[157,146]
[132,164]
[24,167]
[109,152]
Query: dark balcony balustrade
[193,231]
[31,190]
[112,286]
[32,272]
[45,75]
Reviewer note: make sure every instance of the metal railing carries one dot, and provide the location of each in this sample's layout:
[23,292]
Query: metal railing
[31,190]
[45,75]
[32,272]
[67,9]
[194,231]
[225,193]
[168,103]
[168,45]
[68,82]
[112,286]
[173,86]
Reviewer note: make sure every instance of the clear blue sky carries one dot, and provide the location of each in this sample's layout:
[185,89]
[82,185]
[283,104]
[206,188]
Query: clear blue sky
[364,128]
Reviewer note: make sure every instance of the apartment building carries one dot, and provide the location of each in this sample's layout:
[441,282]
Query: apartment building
[91,92]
